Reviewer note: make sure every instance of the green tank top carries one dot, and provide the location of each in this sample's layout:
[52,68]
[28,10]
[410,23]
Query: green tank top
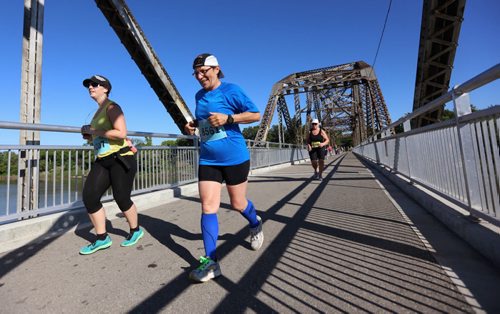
[104,146]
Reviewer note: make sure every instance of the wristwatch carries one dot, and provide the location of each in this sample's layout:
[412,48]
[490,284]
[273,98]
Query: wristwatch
[230,119]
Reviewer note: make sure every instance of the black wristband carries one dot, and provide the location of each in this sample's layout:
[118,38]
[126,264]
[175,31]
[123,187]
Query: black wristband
[230,119]
[195,123]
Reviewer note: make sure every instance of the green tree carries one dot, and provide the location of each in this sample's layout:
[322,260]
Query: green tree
[250,133]
[4,160]
[272,135]
[447,115]
[184,142]
[450,114]
[399,129]
[346,141]
[169,143]
[148,141]
[177,142]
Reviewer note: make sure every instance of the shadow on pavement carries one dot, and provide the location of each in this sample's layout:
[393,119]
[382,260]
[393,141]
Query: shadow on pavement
[241,291]
[17,257]
[467,264]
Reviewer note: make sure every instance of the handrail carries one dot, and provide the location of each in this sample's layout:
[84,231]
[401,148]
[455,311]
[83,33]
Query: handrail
[457,158]
[479,80]
[72,129]
[56,180]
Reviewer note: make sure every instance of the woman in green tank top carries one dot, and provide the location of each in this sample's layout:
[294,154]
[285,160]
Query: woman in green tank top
[115,166]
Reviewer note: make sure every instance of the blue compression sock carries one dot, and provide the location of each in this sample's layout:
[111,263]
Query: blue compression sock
[251,215]
[210,233]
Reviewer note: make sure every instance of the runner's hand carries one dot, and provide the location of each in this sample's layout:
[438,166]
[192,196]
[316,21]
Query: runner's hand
[86,129]
[189,128]
[86,132]
[217,119]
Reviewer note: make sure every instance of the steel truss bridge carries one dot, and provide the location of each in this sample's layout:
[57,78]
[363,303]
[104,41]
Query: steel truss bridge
[440,29]
[346,98]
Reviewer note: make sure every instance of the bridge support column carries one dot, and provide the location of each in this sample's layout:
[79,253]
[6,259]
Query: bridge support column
[30,104]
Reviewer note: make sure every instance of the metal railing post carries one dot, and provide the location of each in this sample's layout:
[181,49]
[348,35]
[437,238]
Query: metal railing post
[460,105]
[196,155]
[406,128]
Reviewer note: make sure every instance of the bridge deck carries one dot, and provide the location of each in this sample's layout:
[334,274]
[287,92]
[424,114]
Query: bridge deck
[343,244]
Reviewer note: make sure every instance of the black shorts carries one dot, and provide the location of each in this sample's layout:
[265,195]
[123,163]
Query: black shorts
[317,153]
[232,175]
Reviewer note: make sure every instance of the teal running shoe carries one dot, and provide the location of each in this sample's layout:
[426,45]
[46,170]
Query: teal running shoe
[133,238]
[96,246]
[207,270]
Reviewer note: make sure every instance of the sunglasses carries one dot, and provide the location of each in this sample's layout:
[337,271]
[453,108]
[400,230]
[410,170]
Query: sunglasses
[94,84]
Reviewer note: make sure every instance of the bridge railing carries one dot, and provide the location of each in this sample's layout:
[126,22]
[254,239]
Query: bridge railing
[458,158]
[59,171]
[268,154]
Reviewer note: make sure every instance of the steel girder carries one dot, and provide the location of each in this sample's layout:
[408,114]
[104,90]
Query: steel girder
[440,29]
[345,98]
[122,21]
[30,104]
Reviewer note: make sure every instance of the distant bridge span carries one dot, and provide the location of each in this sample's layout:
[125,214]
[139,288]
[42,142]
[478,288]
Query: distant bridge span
[345,98]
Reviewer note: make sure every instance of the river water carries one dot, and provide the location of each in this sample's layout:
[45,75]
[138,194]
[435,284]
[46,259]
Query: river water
[59,197]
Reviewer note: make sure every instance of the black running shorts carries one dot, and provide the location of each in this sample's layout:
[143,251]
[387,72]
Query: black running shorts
[232,175]
[317,153]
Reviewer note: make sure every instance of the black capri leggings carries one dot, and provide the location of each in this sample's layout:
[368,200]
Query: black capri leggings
[105,173]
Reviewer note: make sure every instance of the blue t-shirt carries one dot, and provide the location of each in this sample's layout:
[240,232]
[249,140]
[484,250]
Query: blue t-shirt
[223,146]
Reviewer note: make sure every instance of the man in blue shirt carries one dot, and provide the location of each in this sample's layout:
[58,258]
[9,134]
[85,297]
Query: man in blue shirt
[220,108]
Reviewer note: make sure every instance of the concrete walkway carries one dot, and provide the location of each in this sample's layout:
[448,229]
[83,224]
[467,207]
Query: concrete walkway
[350,243]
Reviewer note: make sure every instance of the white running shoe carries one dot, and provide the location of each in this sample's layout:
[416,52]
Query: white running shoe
[257,235]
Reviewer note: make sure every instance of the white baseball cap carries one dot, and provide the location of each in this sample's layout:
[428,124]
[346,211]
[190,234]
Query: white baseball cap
[207,59]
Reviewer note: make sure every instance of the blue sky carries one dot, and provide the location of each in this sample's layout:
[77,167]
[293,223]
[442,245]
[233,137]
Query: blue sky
[257,43]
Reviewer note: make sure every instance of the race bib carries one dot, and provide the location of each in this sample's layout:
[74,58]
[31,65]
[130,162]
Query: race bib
[101,145]
[315,144]
[210,133]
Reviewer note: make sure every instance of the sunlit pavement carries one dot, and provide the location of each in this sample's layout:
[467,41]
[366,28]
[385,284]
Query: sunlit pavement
[336,245]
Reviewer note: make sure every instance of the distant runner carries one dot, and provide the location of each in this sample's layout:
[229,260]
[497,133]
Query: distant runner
[316,142]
